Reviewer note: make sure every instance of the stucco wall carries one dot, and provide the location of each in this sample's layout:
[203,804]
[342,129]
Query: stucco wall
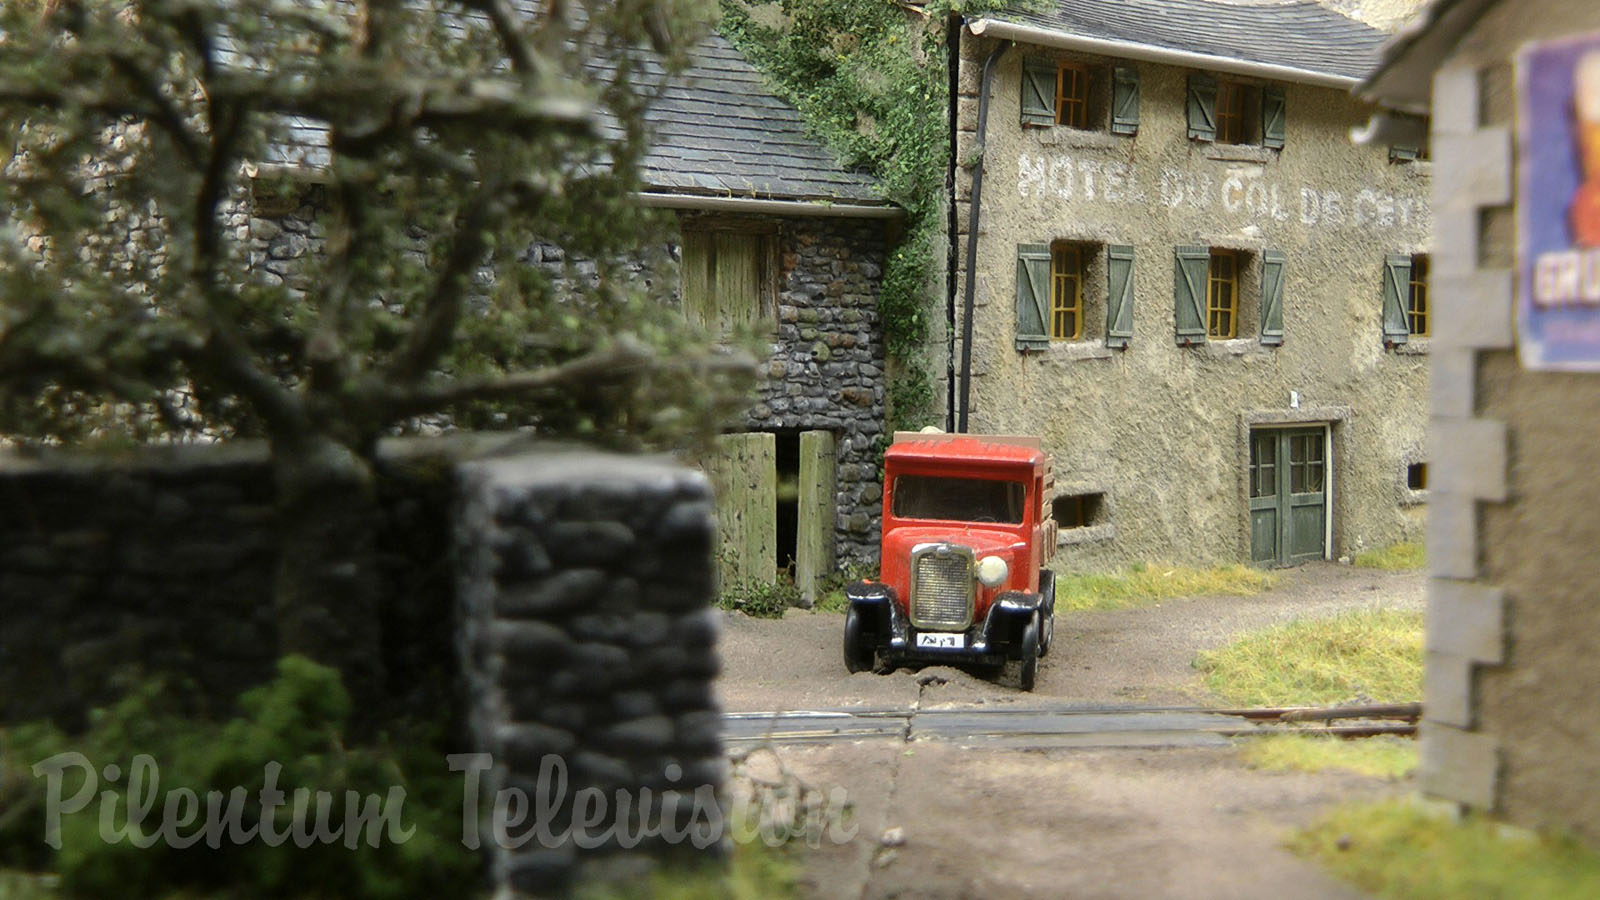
[1521,733]
[1158,427]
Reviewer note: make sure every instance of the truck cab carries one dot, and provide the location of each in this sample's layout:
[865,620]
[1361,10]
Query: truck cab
[966,532]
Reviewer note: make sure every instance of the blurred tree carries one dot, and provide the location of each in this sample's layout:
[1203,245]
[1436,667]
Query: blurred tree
[446,140]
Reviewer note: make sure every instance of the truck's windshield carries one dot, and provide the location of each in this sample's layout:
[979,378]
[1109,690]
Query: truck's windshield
[959,499]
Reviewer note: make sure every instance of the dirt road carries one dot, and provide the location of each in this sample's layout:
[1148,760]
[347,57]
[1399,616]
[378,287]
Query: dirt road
[1126,823]
[1120,657]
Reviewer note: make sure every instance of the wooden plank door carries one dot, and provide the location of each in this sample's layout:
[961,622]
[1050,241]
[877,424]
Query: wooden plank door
[813,557]
[743,472]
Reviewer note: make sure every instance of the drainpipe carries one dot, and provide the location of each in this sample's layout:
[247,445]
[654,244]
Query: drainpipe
[972,230]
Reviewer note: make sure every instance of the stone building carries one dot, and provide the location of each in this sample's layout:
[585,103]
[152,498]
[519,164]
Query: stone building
[773,230]
[1172,264]
[1512,670]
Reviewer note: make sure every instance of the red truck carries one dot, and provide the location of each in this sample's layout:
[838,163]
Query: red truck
[966,532]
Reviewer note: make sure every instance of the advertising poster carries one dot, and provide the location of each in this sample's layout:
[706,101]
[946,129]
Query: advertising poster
[1558,188]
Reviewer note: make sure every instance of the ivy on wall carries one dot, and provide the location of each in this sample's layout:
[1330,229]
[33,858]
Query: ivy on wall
[871,79]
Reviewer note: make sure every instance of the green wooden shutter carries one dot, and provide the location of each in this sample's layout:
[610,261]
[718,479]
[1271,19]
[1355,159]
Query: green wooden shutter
[1192,265]
[1038,91]
[1119,295]
[1272,262]
[1272,117]
[1125,100]
[1396,286]
[738,278]
[1033,296]
[1202,107]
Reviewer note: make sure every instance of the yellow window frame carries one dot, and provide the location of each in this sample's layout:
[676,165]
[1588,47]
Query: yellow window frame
[1418,317]
[1222,295]
[1231,97]
[1072,95]
[1066,291]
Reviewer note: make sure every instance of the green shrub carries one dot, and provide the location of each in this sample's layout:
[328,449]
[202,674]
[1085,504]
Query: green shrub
[761,599]
[296,721]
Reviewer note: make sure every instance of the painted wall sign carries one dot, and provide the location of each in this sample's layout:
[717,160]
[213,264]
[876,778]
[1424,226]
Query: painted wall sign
[1558,191]
[1241,193]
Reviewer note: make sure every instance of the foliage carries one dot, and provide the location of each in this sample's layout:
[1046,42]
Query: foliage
[1398,849]
[1364,656]
[830,594]
[1382,756]
[296,721]
[760,598]
[1404,556]
[1143,584]
[129,131]
[872,80]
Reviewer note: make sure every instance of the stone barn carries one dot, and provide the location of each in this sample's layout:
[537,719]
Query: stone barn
[1173,265]
[775,234]
[1513,644]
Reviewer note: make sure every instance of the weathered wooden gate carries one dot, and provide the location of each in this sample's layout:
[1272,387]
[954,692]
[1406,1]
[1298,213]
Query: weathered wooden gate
[744,473]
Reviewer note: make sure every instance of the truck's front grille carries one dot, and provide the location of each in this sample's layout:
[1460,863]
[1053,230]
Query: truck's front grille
[941,587]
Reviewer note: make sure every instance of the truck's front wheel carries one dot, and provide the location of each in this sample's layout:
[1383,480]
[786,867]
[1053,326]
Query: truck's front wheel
[857,655]
[1030,654]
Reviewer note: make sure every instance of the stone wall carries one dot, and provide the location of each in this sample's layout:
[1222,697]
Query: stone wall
[164,561]
[826,365]
[555,601]
[588,639]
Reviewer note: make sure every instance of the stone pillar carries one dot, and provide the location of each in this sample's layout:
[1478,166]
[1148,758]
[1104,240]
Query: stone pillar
[588,646]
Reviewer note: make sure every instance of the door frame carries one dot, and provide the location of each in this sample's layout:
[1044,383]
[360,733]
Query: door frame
[1333,421]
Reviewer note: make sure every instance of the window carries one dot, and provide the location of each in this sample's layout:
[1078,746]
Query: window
[1072,96]
[1417,476]
[1078,95]
[728,276]
[1066,291]
[1222,295]
[1406,310]
[1235,112]
[1413,142]
[959,499]
[1236,107]
[1061,291]
[1219,294]
[1417,297]
[1077,511]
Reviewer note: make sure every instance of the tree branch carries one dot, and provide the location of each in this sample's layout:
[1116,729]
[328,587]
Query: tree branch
[436,328]
[501,16]
[625,360]
[163,113]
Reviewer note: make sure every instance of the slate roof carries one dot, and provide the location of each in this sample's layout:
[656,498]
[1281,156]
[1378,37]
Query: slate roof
[1298,34]
[719,131]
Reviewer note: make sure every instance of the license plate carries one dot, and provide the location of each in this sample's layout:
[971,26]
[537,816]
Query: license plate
[941,640]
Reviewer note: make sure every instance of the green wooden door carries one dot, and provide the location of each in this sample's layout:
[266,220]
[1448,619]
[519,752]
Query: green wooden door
[1288,495]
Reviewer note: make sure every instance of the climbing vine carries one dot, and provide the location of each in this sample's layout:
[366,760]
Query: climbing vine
[871,79]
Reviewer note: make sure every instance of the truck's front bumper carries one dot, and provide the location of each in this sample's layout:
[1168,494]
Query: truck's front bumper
[997,638]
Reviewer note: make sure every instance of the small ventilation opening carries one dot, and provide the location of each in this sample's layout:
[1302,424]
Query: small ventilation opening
[1417,476]
[1077,510]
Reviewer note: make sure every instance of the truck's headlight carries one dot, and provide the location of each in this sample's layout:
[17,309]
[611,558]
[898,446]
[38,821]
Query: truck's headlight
[992,571]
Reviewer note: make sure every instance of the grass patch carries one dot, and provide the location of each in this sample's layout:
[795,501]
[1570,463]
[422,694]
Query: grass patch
[1145,584]
[1402,557]
[1399,850]
[1365,656]
[1381,757]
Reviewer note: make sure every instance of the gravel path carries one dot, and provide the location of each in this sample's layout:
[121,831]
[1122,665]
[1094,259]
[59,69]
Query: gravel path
[1130,657]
